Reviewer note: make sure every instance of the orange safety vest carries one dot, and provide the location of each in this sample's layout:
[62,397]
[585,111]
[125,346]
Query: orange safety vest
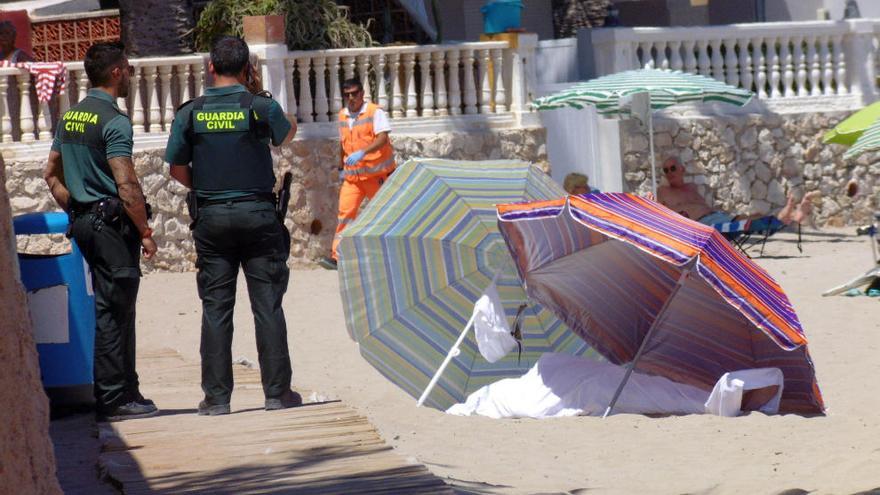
[375,164]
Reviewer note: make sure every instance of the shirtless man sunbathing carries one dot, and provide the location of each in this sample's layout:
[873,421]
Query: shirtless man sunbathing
[687,201]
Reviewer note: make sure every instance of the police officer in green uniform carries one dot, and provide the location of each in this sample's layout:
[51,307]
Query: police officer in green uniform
[91,176]
[219,148]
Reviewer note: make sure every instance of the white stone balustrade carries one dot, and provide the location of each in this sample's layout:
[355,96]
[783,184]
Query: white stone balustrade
[408,81]
[159,85]
[432,82]
[782,60]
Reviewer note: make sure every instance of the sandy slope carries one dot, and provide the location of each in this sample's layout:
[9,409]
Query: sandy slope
[839,453]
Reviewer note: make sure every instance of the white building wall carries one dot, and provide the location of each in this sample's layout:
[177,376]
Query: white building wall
[556,61]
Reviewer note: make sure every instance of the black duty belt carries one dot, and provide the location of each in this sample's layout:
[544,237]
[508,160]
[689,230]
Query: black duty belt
[267,197]
[83,208]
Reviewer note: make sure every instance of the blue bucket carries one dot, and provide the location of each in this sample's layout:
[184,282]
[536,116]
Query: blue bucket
[501,15]
[67,355]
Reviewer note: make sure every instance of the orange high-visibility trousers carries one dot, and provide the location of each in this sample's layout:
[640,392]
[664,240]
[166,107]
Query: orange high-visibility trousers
[351,195]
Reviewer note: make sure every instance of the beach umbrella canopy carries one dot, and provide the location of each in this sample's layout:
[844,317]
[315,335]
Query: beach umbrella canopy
[421,254]
[851,128]
[868,141]
[613,95]
[666,88]
[631,276]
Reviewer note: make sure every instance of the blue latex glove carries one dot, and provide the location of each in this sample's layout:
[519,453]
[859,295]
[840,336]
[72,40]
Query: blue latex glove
[354,158]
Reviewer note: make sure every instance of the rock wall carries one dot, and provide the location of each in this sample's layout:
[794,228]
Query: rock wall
[27,463]
[311,215]
[749,163]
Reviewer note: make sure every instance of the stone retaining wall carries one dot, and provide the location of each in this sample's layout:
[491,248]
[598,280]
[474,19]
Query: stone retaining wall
[748,163]
[312,212]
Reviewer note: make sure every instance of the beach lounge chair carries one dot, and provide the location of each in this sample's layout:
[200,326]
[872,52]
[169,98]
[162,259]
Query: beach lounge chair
[745,234]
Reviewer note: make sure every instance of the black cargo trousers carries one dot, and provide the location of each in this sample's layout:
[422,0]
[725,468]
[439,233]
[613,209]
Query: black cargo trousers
[248,234]
[113,254]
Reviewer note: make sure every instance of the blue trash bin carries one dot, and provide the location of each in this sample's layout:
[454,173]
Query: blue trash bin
[53,282]
[501,15]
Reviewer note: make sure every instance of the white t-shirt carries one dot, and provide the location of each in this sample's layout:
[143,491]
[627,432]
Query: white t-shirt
[380,119]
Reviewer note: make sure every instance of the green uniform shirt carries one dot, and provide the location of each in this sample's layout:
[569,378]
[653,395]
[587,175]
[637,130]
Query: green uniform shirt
[86,173]
[179,148]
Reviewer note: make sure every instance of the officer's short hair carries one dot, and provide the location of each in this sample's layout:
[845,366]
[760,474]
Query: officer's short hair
[230,55]
[101,58]
[352,83]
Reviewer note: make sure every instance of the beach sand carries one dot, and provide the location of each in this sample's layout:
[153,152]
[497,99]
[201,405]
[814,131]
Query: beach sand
[838,453]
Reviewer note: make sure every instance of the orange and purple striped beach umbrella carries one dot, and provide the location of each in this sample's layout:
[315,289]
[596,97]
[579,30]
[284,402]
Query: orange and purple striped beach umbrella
[614,266]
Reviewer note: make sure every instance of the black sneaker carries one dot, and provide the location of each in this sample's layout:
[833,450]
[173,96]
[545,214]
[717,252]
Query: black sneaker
[131,410]
[140,399]
[287,400]
[327,263]
[206,409]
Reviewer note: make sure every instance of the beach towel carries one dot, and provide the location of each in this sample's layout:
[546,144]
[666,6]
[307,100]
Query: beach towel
[559,385]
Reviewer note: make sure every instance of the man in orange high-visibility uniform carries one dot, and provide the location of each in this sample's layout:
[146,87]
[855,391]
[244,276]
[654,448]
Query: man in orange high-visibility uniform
[367,157]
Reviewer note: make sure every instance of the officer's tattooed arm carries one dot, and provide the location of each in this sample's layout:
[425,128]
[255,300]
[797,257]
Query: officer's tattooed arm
[53,174]
[130,191]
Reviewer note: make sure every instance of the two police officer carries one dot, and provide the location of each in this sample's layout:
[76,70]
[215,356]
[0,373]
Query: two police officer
[219,148]
[91,176]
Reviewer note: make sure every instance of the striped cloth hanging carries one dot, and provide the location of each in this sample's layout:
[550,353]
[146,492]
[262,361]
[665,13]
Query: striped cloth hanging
[50,78]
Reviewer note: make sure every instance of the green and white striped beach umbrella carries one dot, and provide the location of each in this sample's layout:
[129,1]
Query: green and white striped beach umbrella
[868,141]
[421,254]
[665,87]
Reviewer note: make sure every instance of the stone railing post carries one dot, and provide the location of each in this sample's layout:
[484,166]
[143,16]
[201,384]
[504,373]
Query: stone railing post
[607,51]
[523,78]
[5,121]
[265,38]
[860,57]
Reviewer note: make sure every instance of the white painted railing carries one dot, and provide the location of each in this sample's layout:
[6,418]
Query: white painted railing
[784,60]
[411,82]
[158,86]
[407,81]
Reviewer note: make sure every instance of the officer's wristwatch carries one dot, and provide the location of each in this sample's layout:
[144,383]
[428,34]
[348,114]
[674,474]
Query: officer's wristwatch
[148,232]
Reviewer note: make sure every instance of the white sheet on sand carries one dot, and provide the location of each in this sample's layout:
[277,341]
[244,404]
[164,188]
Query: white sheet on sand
[559,385]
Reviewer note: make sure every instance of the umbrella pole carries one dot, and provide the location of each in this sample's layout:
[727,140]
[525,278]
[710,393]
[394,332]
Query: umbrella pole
[653,160]
[453,351]
[654,325]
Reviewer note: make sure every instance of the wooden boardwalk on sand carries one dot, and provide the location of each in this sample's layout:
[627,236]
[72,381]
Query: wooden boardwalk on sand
[318,448]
